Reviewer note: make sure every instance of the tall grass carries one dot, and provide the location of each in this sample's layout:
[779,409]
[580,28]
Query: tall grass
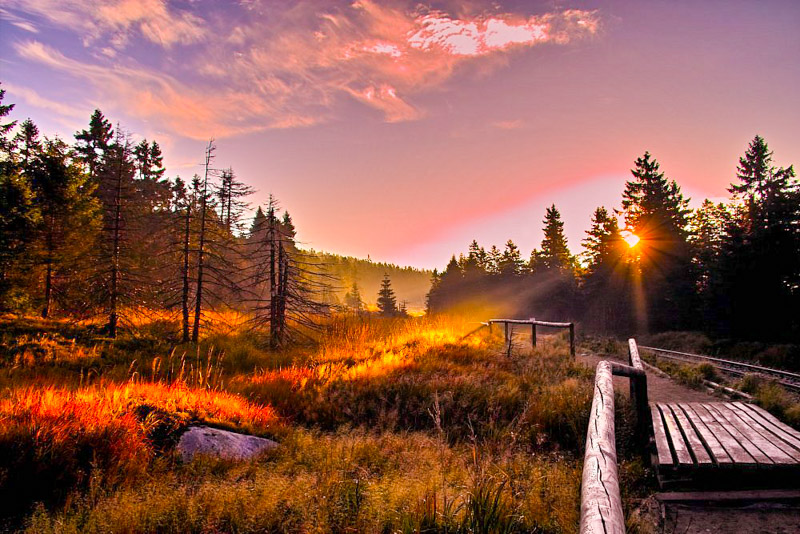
[54,440]
[385,425]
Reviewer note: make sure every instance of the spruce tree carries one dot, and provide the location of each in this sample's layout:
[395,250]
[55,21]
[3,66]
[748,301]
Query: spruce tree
[605,282]
[510,261]
[554,253]
[760,254]
[92,144]
[69,214]
[655,211]
[352,298]
[387,302]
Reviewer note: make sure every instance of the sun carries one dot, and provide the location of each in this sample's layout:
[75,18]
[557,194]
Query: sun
[631,239]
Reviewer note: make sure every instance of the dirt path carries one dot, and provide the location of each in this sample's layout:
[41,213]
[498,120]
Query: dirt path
[659,389]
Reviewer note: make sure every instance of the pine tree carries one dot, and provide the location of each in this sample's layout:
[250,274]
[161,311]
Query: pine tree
[116,176]
[510,261]
[760,254]
[554,253]
[230,193]
[28,144]
[92,144]
[284,287]
[69,213]
[353,300]
[605,287]
[655,211]
[18,215]
[6,128]
[387,302]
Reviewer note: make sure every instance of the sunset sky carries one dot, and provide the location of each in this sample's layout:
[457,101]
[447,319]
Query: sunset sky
[403,130]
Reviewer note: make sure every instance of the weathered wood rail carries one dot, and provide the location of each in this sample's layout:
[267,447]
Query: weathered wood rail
[601,504]
[533,323]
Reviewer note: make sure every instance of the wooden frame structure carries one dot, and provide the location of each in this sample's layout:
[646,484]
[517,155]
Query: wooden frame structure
[533,323]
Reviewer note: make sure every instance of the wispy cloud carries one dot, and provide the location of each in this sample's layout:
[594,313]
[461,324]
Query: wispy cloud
[508,124]
[286,65]
[118,21]
[18,21]
[34,99]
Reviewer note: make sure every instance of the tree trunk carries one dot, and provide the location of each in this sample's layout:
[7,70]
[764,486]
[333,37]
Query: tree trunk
[113,318]
[273,286]
[48,279]
[198,305]
[185,273]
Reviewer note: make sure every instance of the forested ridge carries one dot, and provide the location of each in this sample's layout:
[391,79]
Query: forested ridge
[410,284]
[95,228]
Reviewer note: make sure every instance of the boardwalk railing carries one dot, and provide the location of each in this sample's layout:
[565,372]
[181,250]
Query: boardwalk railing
[601,504]
[533,323]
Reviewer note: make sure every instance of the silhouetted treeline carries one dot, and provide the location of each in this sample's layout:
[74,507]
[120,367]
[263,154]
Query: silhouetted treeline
[96,229]
[730,269]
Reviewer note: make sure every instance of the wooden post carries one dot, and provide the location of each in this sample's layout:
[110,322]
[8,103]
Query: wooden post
[506,323]
[601,504]
[638,390]
[572,339]
[490,327]
[533,335]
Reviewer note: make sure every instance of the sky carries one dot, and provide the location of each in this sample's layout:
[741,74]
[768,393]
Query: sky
[403,130]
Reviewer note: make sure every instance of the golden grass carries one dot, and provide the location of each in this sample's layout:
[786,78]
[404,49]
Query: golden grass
[386,425]
[54,440]
[342,482]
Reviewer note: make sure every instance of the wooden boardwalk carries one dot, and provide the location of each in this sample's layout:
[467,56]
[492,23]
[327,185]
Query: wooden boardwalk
[705,446]
[721,441]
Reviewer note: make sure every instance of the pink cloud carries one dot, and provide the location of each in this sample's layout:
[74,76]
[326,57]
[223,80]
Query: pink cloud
[119,20]
[509,124]
[293,68]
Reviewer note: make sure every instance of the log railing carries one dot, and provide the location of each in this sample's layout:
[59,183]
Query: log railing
[601,504]
[533,323]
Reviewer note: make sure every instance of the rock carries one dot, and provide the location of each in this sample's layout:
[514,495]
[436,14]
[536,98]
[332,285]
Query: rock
[221,443]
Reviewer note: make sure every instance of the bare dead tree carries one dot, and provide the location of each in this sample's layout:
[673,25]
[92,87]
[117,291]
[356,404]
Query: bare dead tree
[198,303]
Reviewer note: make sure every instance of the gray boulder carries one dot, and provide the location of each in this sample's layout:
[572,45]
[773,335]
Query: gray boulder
[221,444]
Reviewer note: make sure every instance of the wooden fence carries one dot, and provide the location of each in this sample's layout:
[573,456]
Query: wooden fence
[533,323]
[601,504]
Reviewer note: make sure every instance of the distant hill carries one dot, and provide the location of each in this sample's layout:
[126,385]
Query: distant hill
[409,284]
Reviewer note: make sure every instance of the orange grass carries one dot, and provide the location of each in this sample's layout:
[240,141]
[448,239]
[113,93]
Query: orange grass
[54,440]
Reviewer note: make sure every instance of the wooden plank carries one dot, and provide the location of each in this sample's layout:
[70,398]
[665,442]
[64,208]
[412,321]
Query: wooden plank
[711,442]
[758,455]
[734,449]
[767,447]
[774,420]
[662,445]
[767,423]
[775,435]
[696,446]
[676,438]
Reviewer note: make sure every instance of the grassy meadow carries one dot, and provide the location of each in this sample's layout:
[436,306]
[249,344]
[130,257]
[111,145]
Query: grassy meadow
[385,425]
